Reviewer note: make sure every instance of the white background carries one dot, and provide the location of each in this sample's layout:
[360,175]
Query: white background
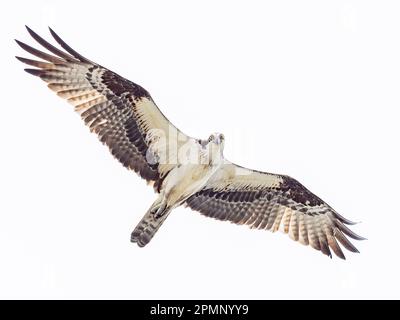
[306,88]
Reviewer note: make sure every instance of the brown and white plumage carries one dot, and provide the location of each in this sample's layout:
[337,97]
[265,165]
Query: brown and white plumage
[126,119]
[273,202]
[121,112]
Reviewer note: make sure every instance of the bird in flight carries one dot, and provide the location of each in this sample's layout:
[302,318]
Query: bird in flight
[182,170]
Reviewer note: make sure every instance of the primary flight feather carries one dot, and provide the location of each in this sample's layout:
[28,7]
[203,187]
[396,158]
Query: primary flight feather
[183,170]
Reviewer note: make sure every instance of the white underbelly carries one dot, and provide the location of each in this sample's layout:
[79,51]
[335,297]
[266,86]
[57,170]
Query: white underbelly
[184,181]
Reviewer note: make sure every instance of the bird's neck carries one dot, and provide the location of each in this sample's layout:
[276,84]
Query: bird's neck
[216,156]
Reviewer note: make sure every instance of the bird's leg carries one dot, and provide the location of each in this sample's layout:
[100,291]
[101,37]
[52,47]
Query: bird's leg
[155,207]
[159,212]
[159,207]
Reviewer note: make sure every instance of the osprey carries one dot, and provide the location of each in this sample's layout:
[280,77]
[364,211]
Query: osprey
[183,170]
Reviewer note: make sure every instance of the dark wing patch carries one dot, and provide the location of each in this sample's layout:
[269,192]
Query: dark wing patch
[119,86]
[105,101]
[298,192]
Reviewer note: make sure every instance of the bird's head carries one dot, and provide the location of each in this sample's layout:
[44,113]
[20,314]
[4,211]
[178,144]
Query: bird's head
[218,139]
[215,146]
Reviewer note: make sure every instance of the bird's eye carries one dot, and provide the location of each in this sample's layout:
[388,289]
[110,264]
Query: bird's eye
[222,137]
[210,138]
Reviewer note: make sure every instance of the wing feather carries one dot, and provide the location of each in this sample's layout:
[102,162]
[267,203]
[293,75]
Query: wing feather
[267,201]
[120,112]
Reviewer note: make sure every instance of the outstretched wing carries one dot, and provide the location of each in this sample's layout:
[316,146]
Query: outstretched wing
[122,113]
[268,201]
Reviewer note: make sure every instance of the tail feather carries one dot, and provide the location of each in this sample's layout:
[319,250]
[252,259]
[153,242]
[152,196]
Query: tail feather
[148,226]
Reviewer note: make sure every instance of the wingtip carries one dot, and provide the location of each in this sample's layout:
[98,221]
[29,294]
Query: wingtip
[357,237]
[68,48]
[31,32]
[21,44]
[35,72]
[343,219]
[341,255]
[53,33]
[347,221]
